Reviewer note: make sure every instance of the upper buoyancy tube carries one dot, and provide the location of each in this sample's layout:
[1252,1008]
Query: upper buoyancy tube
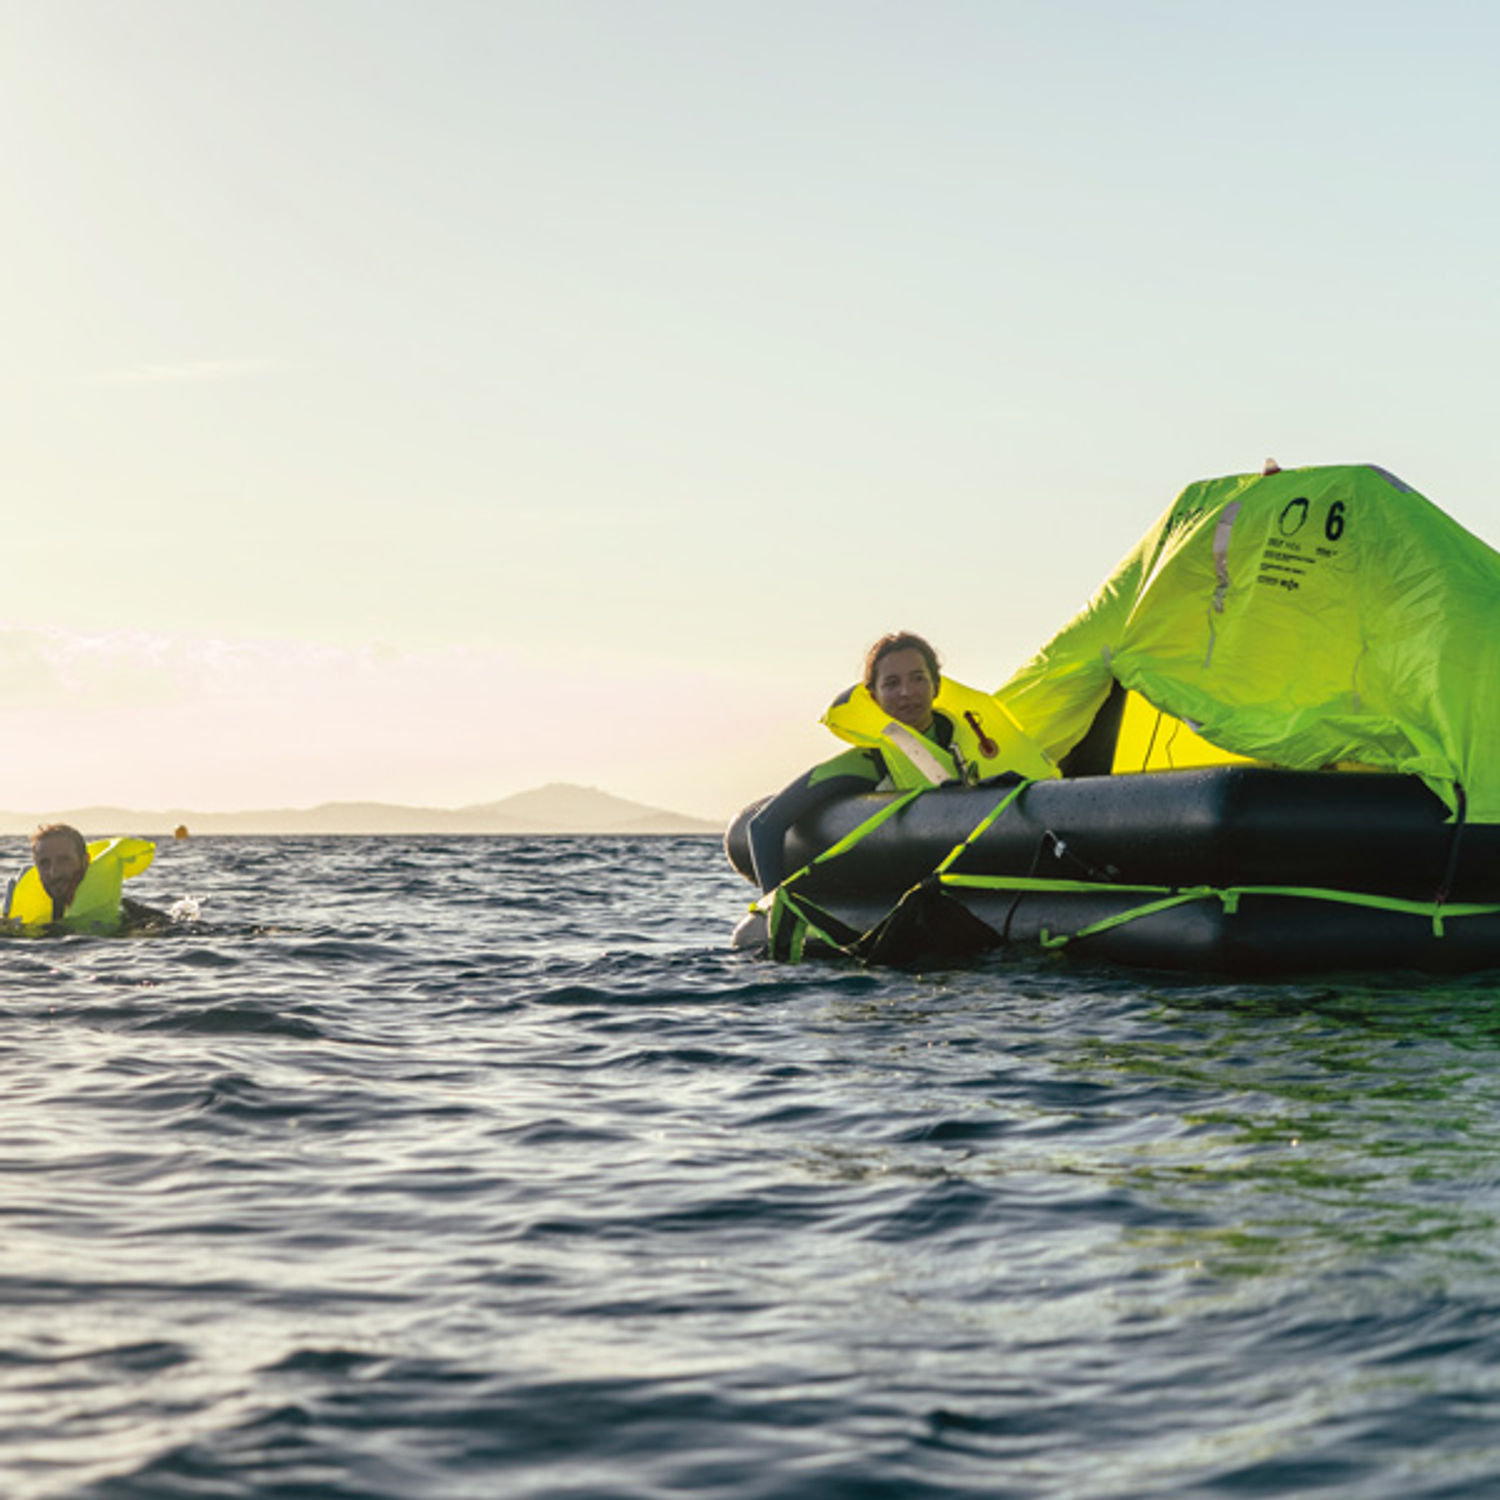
[95,906]
[1307,617]
[985,734]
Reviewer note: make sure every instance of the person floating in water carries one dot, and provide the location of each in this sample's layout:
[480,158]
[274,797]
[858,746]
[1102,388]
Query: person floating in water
[76,885]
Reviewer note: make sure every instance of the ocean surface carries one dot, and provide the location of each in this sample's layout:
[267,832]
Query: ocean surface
[480,1167]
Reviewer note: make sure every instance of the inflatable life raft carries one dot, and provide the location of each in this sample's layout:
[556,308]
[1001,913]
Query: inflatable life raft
[1233,869]
[1275,726]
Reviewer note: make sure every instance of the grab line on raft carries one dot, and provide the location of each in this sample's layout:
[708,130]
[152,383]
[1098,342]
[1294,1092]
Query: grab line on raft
[790,919]
[1229,896]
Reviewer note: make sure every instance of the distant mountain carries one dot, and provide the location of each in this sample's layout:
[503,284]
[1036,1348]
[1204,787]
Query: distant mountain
[558,808]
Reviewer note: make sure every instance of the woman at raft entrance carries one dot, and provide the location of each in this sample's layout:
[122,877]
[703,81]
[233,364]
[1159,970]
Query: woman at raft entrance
[911,727]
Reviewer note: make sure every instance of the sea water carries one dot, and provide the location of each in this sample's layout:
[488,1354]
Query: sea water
[481,1167]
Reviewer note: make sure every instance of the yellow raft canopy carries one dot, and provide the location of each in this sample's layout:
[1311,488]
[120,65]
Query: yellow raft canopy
[1312,617]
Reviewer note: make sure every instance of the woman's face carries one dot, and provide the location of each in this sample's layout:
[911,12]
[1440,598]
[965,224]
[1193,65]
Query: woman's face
[904,688]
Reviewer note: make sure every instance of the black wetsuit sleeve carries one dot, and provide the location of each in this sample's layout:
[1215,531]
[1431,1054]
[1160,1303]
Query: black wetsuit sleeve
[847,775]
[135,913]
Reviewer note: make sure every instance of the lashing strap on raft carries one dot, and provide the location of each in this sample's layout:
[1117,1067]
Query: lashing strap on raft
[1230,897]
[791,919]
[984,824]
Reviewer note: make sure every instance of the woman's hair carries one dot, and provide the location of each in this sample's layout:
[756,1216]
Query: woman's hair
[900,640]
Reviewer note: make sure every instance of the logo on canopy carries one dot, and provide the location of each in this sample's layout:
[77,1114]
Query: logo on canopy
[1294,517]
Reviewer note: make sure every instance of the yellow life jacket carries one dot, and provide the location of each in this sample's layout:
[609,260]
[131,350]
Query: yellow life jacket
[986,738]
[95,906]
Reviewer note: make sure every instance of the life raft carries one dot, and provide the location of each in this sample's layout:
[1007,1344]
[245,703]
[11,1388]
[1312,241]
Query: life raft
[1235,870]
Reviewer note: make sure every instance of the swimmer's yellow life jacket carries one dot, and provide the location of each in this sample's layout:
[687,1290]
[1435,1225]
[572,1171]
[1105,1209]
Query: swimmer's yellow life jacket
[986,738]
[95,906]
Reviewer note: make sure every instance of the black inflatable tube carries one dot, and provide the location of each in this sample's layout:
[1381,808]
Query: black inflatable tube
[1221,827]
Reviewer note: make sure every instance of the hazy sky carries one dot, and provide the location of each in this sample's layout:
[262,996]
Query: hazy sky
[425,401]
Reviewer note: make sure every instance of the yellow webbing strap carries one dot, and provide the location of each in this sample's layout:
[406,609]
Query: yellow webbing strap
[982,826]
[1230,896]
[843,846]
[789,922]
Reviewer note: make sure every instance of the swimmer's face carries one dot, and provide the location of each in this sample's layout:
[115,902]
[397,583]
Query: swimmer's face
[904,687]
[58,865]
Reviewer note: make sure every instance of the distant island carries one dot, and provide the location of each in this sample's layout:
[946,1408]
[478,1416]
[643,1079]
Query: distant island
[558,808]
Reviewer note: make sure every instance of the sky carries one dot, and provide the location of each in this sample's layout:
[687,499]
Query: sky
[424,402]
